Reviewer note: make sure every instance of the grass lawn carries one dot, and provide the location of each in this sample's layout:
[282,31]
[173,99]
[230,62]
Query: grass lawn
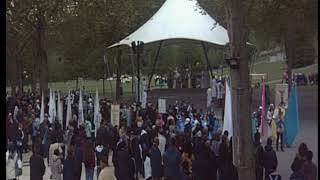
[274,72]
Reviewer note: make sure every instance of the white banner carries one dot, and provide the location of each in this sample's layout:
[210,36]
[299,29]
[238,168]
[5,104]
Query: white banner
[97,117]
[162,106]
[54,109]
[50,107]
[69,113]
[42,109]
[144,99]
[227,120]
[115,115]
[80,116]
[60,110]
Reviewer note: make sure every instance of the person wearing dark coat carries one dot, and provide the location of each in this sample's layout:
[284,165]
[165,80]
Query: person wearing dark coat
[89,158]
[122,163]
[136,153]
[171,162]
[204,165]
[224,153]
[37,167]
[78,158]
[155,156]
[69,171]
[103,139]
[45,137]
[258,153]
[309,169]
[228,171]
[269,158]
[296,174]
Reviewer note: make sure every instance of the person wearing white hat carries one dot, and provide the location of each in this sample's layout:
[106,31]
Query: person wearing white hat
[187,121]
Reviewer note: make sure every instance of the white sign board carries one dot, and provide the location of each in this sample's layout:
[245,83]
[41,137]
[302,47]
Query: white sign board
[115,115]
[281,91]
[162,106]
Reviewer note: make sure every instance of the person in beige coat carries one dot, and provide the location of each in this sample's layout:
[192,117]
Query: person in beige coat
[55,145]
[56,166]
[106,172]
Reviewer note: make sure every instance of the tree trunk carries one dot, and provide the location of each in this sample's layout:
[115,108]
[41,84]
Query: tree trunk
[35,69]
[118,82]
[13,74]
[42,54]
[242,133]
[19,73]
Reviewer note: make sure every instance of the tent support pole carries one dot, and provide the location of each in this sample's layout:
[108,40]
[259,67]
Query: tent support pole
[133,72]
[207,59]
[154,65]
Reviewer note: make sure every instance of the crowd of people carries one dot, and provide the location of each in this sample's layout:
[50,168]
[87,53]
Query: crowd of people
[302,79]
[183,144]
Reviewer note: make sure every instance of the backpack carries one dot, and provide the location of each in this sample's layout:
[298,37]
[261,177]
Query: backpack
[18,167]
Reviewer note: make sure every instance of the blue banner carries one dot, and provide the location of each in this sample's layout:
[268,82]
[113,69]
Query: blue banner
[291,118]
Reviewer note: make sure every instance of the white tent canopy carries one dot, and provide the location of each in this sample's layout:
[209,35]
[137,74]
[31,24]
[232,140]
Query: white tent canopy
[179,19]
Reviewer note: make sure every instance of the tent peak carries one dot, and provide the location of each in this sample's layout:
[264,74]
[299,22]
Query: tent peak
[179,19]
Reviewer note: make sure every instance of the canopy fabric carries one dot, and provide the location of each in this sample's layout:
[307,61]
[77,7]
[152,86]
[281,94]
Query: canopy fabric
[179,19]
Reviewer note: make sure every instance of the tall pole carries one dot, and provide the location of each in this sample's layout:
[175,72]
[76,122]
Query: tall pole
[104,72]
[118,83]
[138,71]
[154,64]
[243,157]
[207,59]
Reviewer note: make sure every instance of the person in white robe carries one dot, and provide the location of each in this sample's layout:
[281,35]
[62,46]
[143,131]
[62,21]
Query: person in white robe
[214,89]
[209,97]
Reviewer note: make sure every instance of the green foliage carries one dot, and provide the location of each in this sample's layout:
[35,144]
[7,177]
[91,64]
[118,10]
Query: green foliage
[270,21]
[80,30]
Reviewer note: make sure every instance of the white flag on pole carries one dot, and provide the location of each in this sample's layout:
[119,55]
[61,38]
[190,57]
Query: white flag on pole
[69,115]
[162,106]
[144,99]
[42,109]
[50,107]
[97,117]
[60,110]
[115,115]
[54,109]
[81,117]
[227,121]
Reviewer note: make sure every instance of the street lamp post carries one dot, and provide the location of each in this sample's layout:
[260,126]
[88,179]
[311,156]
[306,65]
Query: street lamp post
[137,48]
